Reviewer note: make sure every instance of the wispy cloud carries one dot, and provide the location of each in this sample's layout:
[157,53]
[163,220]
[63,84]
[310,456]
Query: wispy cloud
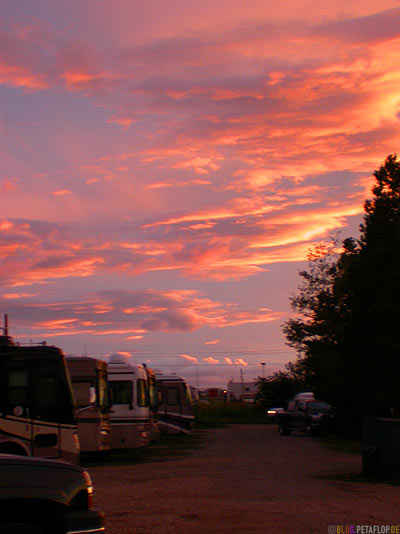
[130,313]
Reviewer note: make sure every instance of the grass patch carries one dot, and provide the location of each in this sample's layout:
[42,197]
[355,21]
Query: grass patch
[339,444]
[169,447]
[221,414]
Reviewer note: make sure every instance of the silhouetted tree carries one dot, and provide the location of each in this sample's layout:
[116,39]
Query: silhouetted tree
[277,389]
[373,293]
[348,338]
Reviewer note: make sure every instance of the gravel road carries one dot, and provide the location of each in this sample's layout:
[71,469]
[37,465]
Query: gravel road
[244,479]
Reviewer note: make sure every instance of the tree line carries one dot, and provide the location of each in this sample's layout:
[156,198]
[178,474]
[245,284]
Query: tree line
[347,328]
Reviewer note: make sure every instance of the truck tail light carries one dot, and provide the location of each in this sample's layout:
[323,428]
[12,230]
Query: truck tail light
[89,488]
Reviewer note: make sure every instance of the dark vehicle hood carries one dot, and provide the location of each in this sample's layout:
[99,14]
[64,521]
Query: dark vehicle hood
[13,459]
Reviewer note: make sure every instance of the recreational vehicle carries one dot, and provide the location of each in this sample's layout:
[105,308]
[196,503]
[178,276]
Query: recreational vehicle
[37,411]
[90,385]
[175,405]
[130,414]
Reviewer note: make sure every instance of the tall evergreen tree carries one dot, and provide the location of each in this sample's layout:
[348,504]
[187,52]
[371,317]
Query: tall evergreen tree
[349,337]
[373,282]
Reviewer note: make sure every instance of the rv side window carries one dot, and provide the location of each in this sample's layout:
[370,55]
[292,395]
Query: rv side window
[121,391]
[172,396]
[17,389]
[46,390]
[141,392]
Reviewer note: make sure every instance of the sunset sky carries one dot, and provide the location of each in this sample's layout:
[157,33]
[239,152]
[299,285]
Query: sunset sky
[166,166]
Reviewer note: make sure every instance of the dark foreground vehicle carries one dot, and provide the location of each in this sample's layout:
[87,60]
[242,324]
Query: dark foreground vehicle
[39,496]
[310,416]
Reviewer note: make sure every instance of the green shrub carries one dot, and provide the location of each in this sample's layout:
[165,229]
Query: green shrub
[220,414]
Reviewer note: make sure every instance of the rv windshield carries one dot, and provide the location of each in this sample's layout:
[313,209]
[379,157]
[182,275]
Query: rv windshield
[121,391]
[39,385]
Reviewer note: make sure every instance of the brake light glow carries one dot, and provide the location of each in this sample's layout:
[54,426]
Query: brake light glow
[89,487]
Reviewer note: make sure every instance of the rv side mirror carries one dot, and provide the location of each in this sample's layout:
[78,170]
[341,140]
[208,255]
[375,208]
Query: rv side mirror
[92,395]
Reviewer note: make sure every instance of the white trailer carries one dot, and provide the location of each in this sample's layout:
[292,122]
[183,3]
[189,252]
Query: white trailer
[130,413]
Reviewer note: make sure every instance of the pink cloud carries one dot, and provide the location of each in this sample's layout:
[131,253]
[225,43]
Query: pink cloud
[223,242]
[155,311]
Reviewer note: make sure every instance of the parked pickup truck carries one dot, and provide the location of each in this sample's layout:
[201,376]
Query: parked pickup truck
[40,496]
[306,415]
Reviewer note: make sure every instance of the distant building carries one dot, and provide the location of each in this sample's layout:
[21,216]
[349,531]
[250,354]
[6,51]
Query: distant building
[242,391]
[212,394]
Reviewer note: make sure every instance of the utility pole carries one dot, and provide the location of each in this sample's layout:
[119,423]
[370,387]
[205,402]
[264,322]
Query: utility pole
[263,370]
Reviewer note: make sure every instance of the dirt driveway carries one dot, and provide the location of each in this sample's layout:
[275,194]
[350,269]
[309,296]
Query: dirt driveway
[243,479]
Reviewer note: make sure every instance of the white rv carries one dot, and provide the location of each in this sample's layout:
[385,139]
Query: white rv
[130,414]
[175,404]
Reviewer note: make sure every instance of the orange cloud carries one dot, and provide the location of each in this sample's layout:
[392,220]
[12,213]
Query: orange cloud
[210,360]
[57,324]
[212,342]
[189,358]
[124,353]
[62,192]
[76,78]
[19,76]
[8,185]
[18,295]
